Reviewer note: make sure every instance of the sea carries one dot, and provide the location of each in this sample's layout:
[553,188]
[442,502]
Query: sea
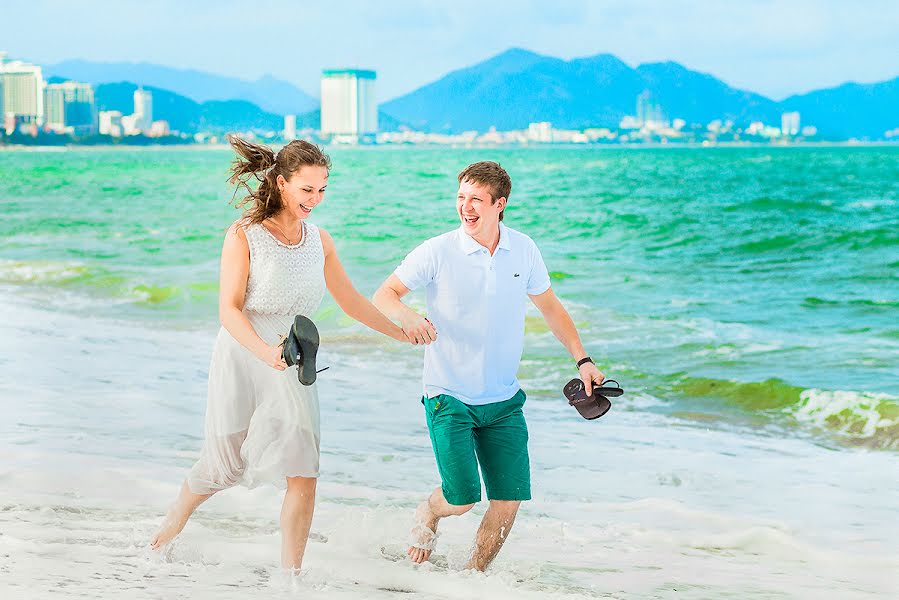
[746,299]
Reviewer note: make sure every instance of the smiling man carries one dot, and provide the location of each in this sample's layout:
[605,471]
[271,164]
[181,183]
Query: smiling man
[477,279]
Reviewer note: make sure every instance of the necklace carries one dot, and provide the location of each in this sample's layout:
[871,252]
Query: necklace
[290,241]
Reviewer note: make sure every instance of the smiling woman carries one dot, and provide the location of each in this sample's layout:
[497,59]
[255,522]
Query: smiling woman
[261,426]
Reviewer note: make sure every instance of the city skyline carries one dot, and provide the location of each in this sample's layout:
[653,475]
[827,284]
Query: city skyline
[349,112]
[773,48]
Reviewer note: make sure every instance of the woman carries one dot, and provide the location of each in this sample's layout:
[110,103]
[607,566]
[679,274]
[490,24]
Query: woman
[261,424]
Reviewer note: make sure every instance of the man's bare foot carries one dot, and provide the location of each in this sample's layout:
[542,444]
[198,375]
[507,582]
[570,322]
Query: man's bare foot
[424,533]
[170,527]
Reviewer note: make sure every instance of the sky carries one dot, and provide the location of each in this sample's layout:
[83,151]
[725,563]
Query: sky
[776,48]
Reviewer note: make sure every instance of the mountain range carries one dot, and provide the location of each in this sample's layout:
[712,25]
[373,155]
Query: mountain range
[518,87]
[270,94]
[507,91]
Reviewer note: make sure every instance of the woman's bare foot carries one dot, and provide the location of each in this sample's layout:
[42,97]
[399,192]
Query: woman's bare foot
[177,516]
[424,533]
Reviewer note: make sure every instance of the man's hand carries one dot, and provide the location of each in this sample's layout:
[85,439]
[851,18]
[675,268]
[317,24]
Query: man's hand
[590,375]
[418,329]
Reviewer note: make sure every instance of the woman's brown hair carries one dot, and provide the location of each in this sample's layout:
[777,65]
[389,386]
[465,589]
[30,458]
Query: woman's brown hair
[260,162]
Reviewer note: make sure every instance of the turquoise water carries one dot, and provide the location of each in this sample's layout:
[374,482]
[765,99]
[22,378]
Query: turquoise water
[747,286]
[746,299]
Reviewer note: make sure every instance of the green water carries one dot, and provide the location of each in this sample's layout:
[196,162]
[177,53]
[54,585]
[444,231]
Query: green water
[753,286]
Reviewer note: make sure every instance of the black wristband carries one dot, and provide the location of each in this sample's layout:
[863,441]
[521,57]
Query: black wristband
[584,360]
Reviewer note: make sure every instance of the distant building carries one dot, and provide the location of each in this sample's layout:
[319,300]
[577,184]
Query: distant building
[349,107]
[23,92]
[540,132]
[2,62]
[629,122]
[159,129]
[290,127]
[789,123]
[649,112]
[111,123]
[760,129]
[70,108]
[143,109]
[54,108]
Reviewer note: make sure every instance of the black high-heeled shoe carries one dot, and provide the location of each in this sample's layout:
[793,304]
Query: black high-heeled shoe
[300,348]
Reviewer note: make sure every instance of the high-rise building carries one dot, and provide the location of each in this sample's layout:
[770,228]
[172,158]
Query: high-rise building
[290,127]
[69,107]
[649,112]
[2,62]
[349,107]
[789,123]
[143,109]
[55,108]
[23,92]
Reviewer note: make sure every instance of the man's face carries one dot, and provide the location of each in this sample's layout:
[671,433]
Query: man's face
[478,212]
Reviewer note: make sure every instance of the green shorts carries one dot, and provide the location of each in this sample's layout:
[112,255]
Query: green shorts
[492,435]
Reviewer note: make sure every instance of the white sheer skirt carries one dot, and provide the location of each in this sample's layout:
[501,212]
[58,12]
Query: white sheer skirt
[262,425]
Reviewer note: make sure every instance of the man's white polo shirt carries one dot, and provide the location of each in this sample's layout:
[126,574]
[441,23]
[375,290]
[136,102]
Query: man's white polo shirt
[477,302]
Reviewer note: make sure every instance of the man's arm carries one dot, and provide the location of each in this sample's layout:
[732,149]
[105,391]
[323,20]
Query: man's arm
[563,328]
[388,299]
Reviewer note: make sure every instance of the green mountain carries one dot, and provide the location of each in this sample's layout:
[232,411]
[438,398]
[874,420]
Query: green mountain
[518,87]
[185,115]
[273,95]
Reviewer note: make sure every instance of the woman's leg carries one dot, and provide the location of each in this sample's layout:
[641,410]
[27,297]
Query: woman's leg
[219,467]
[296,520]
[177,516]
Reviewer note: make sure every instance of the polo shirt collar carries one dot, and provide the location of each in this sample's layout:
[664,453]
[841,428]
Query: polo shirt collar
[470,246]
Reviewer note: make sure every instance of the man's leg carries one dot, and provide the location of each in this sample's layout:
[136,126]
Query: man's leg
[501,444]
[427,515]
[493,532]
[450,424]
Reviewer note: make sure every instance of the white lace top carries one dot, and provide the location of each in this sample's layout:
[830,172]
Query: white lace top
[284,279]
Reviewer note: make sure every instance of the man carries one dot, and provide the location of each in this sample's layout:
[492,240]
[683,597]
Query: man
[477,278]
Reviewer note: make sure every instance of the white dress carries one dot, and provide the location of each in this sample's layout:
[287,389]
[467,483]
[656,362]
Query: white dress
[262,425]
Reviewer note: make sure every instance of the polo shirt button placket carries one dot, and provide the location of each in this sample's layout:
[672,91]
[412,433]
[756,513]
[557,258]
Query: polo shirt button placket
[491,275]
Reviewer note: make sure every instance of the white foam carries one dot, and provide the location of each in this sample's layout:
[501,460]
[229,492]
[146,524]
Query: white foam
[852,413]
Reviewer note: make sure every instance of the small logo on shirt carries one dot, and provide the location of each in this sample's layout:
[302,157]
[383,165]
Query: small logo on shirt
[516,274]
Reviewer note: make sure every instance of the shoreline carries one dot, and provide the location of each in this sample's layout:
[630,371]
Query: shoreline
[676,517]
[651,145]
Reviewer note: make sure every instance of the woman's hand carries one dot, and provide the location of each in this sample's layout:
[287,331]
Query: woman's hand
[418,329]
[272,357]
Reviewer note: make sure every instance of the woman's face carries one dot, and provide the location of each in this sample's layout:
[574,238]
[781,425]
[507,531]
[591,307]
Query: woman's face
[303,190]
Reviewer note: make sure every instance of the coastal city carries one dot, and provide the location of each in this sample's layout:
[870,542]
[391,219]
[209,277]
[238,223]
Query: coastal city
[39,111]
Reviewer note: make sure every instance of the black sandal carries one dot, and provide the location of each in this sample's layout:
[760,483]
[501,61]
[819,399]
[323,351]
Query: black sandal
[595,406]
[300,347]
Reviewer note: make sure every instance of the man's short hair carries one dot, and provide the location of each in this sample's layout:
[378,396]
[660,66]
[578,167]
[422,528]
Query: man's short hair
[493,176]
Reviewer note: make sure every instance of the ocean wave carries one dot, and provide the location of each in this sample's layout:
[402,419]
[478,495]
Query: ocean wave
[99,283]
[870,419]
[24,272]
[861,418]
